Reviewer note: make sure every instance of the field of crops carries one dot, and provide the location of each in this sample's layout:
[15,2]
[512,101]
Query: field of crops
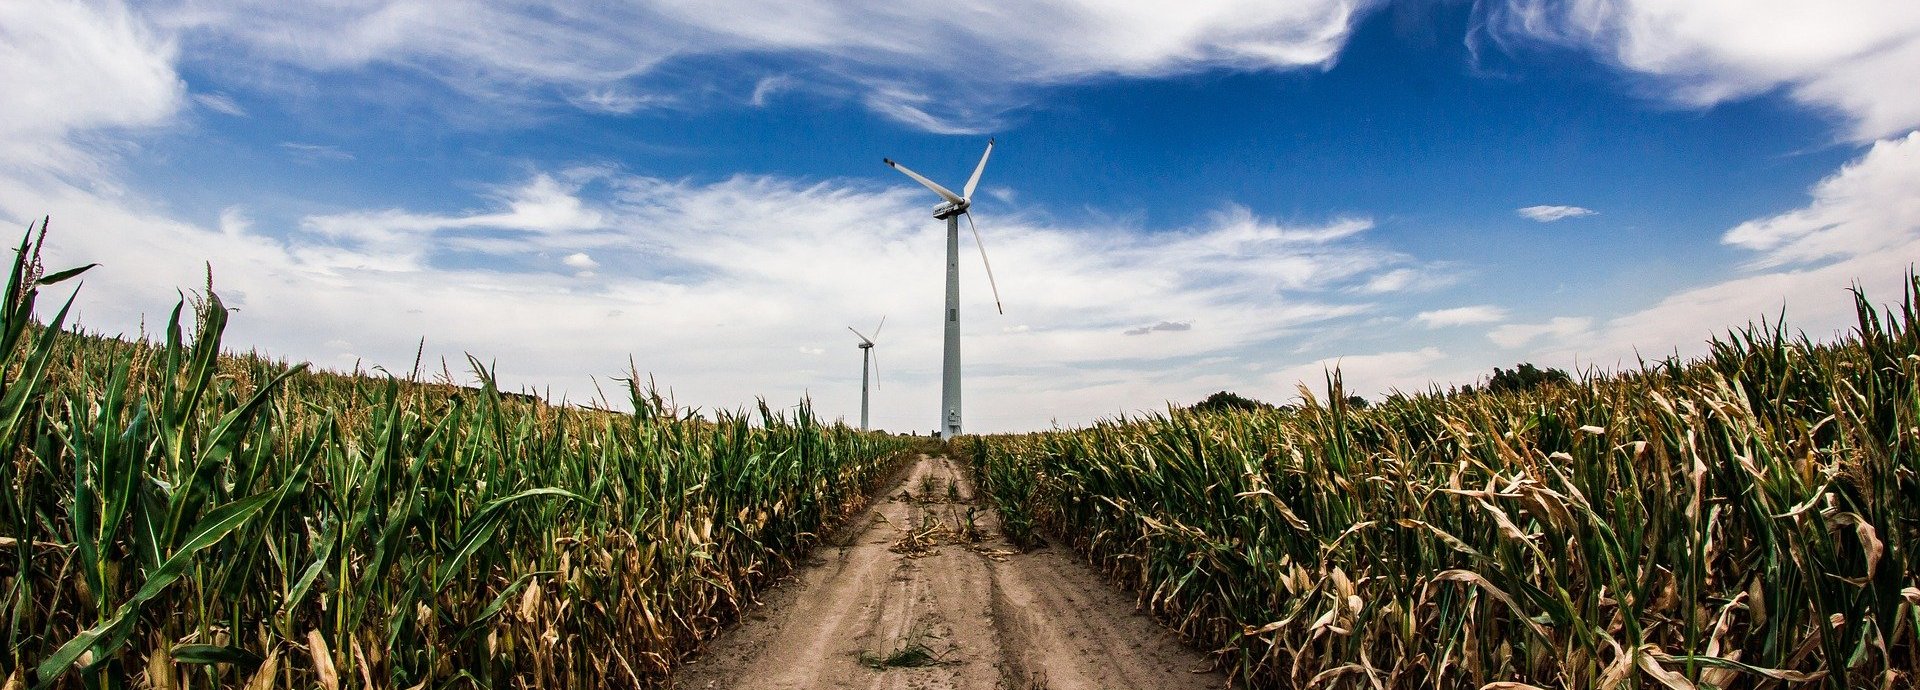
[175,518]
[1746,520]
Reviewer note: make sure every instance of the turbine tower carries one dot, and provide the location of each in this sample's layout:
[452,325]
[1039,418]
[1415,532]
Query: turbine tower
[868,360]
[950,210]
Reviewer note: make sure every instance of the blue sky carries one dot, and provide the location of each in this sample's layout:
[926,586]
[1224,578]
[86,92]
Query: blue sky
[1417,190]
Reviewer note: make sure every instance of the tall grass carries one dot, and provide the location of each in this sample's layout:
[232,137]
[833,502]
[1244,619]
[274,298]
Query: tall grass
[1746,520]
[173,517]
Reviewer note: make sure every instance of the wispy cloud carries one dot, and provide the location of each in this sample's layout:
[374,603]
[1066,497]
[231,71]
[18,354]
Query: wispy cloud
[1462,316]
[316,152]
[530,215]
[874,53]
[1562,330]
[1418,278]
[1548,214]
[765,89]
[619,101]
[1855,58]
[220,103]
[916,109]
[78,67]
[1870,205]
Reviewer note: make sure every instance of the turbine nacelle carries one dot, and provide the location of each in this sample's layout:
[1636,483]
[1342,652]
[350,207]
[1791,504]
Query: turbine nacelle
[948,209]
[866,343]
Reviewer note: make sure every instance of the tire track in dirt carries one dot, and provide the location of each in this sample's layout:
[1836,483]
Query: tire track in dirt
[908,585]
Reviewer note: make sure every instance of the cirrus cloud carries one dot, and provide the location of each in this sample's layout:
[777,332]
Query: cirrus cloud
[890,55]
[1870,205]
[1462,316]
[73,68]
[1548,214]
[1855,58]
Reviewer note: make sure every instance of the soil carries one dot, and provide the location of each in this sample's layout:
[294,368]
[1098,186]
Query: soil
[908,597]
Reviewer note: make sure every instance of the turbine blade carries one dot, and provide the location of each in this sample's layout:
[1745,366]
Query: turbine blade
[930,184]
[975,180]
[984,262]
[883,324]
[875,352]
[863,338]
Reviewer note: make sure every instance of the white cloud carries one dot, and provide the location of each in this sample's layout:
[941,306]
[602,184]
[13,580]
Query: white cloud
[765,89]
[581,261]
[1462,316]
[220,103]
[1870,205]
[1391,281]
[914,109]
[1424,278]
[234,221]
[1563,331]
[1853,57]
[618,101]
[1548,214]
[886,52]
[399,240]
[72,67]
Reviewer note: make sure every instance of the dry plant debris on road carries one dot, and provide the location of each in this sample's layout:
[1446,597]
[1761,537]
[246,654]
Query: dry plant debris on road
[923,593]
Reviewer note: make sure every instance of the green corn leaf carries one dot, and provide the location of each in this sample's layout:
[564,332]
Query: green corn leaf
[207,654]
[216,525]
[52,278]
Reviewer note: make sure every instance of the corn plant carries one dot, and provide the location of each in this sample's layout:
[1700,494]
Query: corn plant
[178,516]
[1744,520]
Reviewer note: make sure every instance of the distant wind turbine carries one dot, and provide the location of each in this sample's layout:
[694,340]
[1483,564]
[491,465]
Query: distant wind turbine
[868,361]
[950,210]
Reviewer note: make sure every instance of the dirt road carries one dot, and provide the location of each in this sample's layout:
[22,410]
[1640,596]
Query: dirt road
[909,600]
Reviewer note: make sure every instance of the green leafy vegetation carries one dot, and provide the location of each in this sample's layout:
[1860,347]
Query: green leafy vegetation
[912,652]
[171,516]
[1525,377]
[1226,400]
[1744,520]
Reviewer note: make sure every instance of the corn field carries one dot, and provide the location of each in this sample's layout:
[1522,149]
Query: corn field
[1746,520]
[173,517]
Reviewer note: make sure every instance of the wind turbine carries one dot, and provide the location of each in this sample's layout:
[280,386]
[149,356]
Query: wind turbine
[868,360]
[950,210]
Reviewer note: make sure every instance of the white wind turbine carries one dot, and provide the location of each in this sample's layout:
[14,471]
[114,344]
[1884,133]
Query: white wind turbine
[868,361]
[950,210]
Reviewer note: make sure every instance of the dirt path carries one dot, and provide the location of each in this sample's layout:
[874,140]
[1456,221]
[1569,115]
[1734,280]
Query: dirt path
[909,601]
